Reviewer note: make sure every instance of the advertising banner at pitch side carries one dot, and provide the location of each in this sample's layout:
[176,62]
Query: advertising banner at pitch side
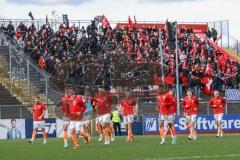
[205,124]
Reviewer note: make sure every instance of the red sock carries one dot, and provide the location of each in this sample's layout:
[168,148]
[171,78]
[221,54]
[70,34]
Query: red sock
[162,132]
[65,136]
[74,139]
[173,132]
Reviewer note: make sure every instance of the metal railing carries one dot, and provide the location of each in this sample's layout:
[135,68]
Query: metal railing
[227,41]
[23,72]
[144,108]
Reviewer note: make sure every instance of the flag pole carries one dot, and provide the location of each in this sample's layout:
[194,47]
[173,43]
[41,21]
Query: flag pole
[177,68]
[161,54]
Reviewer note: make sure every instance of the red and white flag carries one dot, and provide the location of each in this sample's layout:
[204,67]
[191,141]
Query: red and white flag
[105,22]
[130,23]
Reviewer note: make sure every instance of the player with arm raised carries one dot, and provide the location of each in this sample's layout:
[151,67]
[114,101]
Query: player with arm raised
[217,103]
[190,105]
[39,110]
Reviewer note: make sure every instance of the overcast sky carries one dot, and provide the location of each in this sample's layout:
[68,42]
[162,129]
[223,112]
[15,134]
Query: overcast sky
[145,10]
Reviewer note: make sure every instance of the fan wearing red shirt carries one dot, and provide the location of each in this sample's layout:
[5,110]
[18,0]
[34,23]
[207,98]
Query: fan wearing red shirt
[77,109]
[39,110]
[166,108]
[102,107]
[190,105]
[128,108]
[64,107]
[217,103]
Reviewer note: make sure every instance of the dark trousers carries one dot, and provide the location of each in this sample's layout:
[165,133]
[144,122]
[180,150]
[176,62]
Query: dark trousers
[117,128]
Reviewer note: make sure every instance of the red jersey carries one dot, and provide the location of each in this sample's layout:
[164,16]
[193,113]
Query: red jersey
[217,103]
[65,105]
[38,109]
[102,104]
[174,106]
[190,105]
[77,108]
[128,105]
[166,104]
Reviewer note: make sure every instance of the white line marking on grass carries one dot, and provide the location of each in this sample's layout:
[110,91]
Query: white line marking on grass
[194,157]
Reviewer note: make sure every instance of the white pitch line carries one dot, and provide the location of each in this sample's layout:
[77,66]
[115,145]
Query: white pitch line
[194,157]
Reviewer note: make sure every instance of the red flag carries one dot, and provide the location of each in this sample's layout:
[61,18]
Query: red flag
[105,22]
[130,23]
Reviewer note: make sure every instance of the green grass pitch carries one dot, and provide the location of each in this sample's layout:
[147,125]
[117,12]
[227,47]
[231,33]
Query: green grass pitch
[146,148]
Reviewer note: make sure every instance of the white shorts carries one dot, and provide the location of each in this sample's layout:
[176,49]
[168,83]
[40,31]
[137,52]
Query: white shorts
[38,124]
[77,125]
[85,122]
[128,119]
[66,121]
[97,120]
[106,118]
[166,118]
[218,117]
[191,118]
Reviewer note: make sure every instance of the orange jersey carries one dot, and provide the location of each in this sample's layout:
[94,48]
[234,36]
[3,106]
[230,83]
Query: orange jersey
[65,105]
[217,103]
[38,109]
[166,104]
[190,105]
[128,105]
[77,108]
[102,104]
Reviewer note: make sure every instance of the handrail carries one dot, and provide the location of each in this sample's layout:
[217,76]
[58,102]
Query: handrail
[24,55]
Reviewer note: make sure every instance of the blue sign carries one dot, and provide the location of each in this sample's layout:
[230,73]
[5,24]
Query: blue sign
[50,127]
[204,124]
[137,128]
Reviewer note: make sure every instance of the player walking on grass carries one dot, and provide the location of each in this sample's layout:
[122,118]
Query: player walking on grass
[217,103]
[173,113]
[102,106]
[128,109]
[166,109]
[77,110]
[190,105]
[39,110]
[64,106]
[86,120]
[97,123]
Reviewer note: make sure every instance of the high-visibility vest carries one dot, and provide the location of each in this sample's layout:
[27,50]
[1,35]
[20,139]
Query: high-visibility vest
[115,116]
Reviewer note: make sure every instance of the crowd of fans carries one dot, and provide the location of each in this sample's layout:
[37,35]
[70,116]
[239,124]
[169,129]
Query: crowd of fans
[201,66]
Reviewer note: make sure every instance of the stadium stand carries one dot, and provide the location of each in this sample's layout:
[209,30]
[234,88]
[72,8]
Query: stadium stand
[11,107]
[127,55]
[59,53]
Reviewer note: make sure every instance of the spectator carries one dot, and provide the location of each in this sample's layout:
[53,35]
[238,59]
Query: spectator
[214,34]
